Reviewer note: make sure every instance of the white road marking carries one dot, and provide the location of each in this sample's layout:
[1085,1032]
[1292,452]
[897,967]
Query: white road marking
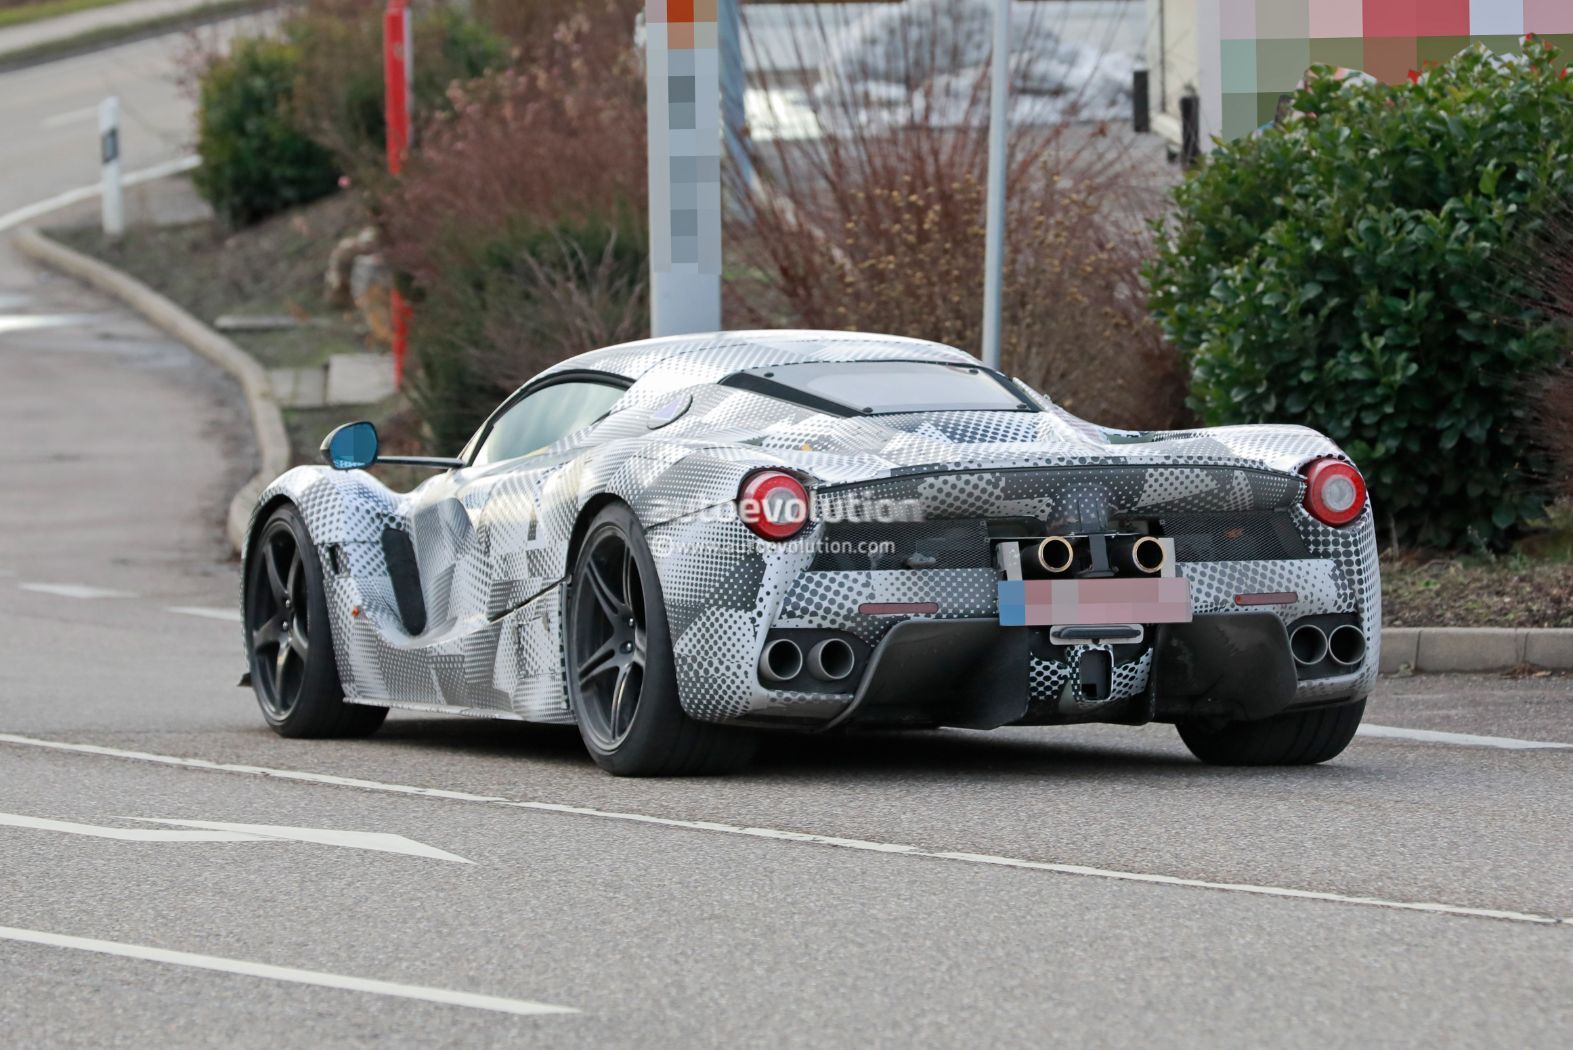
[381,842]
[1432,736]
[73,590]
[74,116]
[16,820]
[36,322]
[214,831]
[230,615]
[86,193]
[284,973]
[775,834]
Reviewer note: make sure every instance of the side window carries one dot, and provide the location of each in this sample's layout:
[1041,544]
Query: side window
[544,417]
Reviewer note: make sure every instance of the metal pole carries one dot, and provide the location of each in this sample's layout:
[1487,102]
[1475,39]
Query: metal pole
[994,246]
[112,203]
[1141,102]
[683,90]
[1190,128]
[398,108]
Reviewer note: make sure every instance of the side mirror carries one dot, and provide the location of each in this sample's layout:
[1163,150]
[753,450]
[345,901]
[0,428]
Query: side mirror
[351,447]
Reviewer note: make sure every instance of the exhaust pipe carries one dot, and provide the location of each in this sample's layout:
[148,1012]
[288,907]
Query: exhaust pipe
[1308,643]
[781,661]
[1056,554]
[1346,645]
[1149,555]
[831,660]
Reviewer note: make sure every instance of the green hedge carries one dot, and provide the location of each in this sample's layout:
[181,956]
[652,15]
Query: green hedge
[256,161]
[1359,270]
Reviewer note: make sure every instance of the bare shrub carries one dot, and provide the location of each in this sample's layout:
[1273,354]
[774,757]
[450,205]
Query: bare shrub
[879,227]
[520,224]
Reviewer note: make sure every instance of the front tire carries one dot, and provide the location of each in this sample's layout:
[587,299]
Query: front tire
[622,681]
[1294,738]
[290,642]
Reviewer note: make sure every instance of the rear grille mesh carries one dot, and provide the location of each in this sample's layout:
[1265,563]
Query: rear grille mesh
[1234,537]
[953,544]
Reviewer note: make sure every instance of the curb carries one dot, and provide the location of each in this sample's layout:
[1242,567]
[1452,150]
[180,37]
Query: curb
[1455,650]
[126,32]
[272,442]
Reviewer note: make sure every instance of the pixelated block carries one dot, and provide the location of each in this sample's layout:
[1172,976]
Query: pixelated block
[1496,18]
[1337,18]
[1392,18]
[1283,19]
[1391,59]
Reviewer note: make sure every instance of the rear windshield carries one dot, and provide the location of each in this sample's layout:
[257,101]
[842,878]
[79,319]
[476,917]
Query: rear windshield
[885,387]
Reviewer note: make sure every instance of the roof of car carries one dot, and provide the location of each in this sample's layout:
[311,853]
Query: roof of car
[712,356]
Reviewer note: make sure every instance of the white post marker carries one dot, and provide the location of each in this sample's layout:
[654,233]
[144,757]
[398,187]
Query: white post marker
[999,129]
[113,203]
[683,86]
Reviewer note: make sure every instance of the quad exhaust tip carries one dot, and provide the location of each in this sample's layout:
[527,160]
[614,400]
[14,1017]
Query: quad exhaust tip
[1149,555]
[1346,645]
[1309,644]
[1056,554]
[781,661]
[831,660]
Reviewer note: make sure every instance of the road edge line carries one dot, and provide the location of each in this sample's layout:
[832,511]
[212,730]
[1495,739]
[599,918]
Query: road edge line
[273,448]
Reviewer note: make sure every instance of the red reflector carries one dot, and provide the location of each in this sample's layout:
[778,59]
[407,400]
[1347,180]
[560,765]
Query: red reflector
[1267,598]
[898,608]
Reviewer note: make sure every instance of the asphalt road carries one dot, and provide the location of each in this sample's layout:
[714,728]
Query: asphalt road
[1080,887]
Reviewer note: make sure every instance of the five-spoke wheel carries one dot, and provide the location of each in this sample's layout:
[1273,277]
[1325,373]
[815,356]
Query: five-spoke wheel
[293,669]
[621,679]
[611,637]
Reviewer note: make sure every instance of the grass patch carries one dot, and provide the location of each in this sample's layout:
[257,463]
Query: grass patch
[20,12]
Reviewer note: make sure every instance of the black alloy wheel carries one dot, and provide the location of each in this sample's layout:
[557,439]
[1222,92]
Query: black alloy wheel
[289,641]
[621,676]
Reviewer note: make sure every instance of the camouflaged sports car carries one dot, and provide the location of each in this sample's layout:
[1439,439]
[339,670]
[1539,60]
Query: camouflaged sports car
[678,542]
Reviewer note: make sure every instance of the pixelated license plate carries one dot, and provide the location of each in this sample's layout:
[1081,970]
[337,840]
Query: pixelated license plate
[1072,603]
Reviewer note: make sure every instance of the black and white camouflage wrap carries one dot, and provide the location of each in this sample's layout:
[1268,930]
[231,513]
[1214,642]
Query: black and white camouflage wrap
[493,543]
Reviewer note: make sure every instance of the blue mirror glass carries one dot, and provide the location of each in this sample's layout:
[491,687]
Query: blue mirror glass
[351,447]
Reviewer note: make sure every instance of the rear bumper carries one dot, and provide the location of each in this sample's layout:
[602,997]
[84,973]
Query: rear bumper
[976,674]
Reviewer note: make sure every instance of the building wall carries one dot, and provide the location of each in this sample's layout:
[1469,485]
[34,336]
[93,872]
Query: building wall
[1248,53]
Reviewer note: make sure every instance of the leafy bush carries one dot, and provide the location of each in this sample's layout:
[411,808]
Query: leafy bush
[341,97]
[256,161]
[881,229]
[520,226]
[1351,271]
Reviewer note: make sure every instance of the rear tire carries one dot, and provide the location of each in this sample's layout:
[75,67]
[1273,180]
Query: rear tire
[293,670]
[622,680]
[1294,738]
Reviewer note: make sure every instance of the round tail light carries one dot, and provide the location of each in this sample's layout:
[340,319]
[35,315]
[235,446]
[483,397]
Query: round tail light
[773,504]
[1334,492]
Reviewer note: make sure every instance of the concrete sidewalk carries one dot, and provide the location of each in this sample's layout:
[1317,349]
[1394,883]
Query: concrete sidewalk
[35,41]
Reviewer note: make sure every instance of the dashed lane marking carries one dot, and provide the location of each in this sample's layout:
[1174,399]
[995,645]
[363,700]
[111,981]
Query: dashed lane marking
[775,834]
[73,590]
[1432,736]
[228,615]
[283,973]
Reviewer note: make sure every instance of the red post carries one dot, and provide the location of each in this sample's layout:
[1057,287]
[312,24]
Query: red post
[396,67]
